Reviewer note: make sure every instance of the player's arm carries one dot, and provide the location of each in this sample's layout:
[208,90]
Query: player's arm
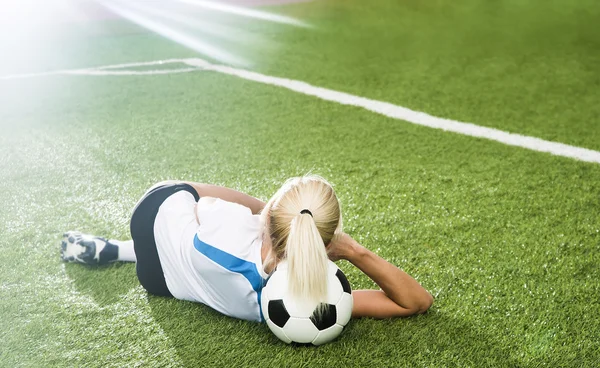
[229,195]
[400,294]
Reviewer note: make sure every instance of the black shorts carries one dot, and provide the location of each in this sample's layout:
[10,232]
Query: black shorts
[148,268]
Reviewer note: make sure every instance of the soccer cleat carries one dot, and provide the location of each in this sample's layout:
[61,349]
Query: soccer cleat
[87,249]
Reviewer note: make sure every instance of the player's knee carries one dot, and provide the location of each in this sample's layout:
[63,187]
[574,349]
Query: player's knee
[163,183]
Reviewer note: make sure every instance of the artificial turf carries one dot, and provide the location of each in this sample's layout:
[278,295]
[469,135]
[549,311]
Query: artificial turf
[506,239]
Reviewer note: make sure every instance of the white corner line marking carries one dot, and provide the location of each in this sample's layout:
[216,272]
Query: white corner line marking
[379,107]
[109,70]
[106,72]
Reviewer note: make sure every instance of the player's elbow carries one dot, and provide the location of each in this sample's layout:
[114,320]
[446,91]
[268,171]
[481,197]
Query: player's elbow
[425,303]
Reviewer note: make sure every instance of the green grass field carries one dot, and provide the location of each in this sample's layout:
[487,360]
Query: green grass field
[507,239]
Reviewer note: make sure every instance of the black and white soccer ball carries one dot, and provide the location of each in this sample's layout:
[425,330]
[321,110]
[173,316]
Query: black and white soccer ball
[296,320]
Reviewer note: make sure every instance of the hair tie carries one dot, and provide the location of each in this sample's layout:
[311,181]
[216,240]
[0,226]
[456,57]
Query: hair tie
[306,211]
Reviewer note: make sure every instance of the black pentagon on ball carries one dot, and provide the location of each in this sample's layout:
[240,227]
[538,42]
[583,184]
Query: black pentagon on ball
[327,317]
[344,281]
[277,312]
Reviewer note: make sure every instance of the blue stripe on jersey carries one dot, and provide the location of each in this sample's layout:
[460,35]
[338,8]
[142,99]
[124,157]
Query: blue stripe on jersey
[233,264]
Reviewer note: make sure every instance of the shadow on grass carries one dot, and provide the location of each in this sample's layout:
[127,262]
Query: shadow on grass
[203,337]
[105,284]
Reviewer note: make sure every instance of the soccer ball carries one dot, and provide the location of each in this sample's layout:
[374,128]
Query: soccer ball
[293,320]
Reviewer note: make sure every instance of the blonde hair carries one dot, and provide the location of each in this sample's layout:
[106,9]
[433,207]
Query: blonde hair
[300,238]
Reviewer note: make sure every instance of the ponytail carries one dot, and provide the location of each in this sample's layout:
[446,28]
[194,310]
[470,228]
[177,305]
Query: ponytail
[301,219]
[307,260]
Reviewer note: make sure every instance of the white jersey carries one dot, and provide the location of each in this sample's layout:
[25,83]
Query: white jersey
[217,263]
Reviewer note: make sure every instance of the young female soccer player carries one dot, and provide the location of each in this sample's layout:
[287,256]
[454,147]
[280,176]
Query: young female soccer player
[217,246]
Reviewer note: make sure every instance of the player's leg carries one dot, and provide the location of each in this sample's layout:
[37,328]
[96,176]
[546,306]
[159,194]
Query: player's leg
[95,250]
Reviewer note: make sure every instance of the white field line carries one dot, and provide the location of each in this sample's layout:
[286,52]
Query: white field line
[403,113]
[108,70]
[379,107]
[102,71]
[129,72]
[143,63]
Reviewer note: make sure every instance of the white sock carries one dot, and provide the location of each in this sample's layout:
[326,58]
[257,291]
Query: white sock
[126,252]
